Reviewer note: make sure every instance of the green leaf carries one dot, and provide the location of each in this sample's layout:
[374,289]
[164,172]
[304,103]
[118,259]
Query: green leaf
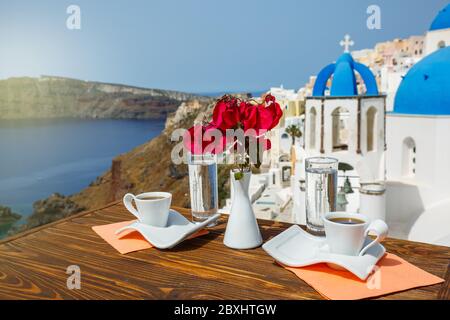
[238,175]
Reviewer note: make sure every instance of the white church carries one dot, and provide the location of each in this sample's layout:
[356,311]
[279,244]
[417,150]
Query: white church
[400,158]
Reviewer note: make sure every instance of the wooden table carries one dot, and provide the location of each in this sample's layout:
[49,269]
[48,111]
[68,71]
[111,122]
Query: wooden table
[33,265]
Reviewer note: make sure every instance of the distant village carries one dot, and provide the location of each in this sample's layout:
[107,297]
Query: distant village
[384,113]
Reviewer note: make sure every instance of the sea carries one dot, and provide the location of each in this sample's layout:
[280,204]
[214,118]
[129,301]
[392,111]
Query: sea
[40,157]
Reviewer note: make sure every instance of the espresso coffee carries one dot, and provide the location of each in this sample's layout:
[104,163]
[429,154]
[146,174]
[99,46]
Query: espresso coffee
[151,198]
[346,220]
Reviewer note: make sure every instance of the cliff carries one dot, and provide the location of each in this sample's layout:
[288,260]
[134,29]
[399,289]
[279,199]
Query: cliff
[57,97]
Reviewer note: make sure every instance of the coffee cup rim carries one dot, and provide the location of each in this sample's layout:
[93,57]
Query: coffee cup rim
[343,214]
[164,195]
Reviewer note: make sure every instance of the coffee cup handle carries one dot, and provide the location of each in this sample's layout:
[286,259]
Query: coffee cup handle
[128,202]
[380,228]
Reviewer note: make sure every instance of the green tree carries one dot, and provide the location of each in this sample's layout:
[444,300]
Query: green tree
[294,132]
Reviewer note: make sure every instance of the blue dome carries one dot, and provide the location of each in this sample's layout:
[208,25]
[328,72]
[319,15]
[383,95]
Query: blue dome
[344,79]
[442,20]
[426,87]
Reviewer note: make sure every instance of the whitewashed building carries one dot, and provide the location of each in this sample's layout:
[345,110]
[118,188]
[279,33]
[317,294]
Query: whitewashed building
[418,157]
[346,124]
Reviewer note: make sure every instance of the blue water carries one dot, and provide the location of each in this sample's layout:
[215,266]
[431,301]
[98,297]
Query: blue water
[39,157]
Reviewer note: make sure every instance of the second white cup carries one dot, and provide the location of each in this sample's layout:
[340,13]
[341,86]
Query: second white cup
[346,232]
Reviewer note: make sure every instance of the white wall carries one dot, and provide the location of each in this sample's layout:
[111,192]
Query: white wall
[310,105]
[434,37]
[409,197]
[372,166]
[390,81]
[423,131]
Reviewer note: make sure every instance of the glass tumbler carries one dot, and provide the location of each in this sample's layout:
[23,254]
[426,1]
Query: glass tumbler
[321,190]
[203,187]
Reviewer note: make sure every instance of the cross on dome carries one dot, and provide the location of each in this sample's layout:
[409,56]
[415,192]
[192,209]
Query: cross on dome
[347,43]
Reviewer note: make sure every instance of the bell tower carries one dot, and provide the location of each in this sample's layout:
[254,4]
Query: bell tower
[345,119]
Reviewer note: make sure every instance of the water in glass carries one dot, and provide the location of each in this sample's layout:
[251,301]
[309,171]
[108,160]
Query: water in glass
[321,190]
[203,187]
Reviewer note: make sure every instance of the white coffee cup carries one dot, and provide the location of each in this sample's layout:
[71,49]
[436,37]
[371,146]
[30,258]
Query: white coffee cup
[152,208]
[348,239]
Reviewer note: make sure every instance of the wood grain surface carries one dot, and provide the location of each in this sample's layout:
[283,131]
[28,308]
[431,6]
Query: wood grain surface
[33,265]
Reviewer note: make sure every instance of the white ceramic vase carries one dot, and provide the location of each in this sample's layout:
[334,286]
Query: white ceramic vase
[242,230]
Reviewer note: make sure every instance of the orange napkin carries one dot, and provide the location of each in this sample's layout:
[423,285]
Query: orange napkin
[128,240]
[392,275]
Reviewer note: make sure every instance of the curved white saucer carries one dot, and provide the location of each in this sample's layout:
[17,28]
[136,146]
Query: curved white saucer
[178,229]
[295,247]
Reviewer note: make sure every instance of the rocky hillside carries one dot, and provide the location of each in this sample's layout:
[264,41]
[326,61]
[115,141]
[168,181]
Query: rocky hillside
[56,97]
[149,167]
[7,216]
[7,219]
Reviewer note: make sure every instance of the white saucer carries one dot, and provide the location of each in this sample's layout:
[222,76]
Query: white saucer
[178,229]
[295,247]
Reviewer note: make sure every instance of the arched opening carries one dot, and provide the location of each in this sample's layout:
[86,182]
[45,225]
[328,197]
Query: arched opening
[340,129]
[312,128]
[372,129]
[441,44]
[284,136]
[409,157]
[286,173]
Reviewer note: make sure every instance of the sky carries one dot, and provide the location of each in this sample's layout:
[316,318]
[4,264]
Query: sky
[196,45]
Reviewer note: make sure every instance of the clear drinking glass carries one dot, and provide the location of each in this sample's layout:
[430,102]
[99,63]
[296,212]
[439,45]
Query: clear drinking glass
[203,187]
[321,190]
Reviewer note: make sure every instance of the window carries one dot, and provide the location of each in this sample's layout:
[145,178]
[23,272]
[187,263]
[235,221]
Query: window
[409,157]
[286,173]
[372,129]
[441,44]
[312,128]
[340,129]
[284,136]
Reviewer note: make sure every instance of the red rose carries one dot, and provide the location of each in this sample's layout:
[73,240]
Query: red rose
[269,98]
[232,113]
[269,116]
[249,116]
[226,113]
[199,139]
